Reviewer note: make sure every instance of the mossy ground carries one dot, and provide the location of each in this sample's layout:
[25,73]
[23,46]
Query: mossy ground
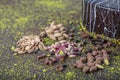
[25,17]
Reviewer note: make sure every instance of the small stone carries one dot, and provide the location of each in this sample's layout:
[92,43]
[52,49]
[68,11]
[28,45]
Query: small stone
[71,34]
[43,34]
[41,46]
[105,45]
[62,58]
[63,41]
[99,59]
[99,52]
[106,56]
[15,64]
[99,47]
[60,25]
[75,65]
[27,48]
[83,59]
[57,43]
[75,49]
[74,53]
[51,36]
[61,38]
[49,31]
[98,62]
[95,48]
[72,30]
[78,62]
[53,23]
[50,62]
[46,28]
[104,51]
[15,54]
[71,56]
[47,62]
[90,59]
[16,49]
[85,69]
[99,55]
[90,64]
[58,35]
[71,38]
[65,35]
[94,53]
[93,68]
[89,54]
[54,27]
[42,56]
[99,66]
[62,29]
[59,68]
[64,32]
[84,35]
[80,49]
[56,31]
[80,66]
[53,59]
[21,52]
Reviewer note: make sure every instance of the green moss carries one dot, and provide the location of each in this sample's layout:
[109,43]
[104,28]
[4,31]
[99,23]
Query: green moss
[34,76]
[48,41]
[2,25]
[70,75]
[50,3]
[21,21]
[44,70]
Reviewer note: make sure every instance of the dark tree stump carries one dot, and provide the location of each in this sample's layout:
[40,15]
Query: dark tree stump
[102,17]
